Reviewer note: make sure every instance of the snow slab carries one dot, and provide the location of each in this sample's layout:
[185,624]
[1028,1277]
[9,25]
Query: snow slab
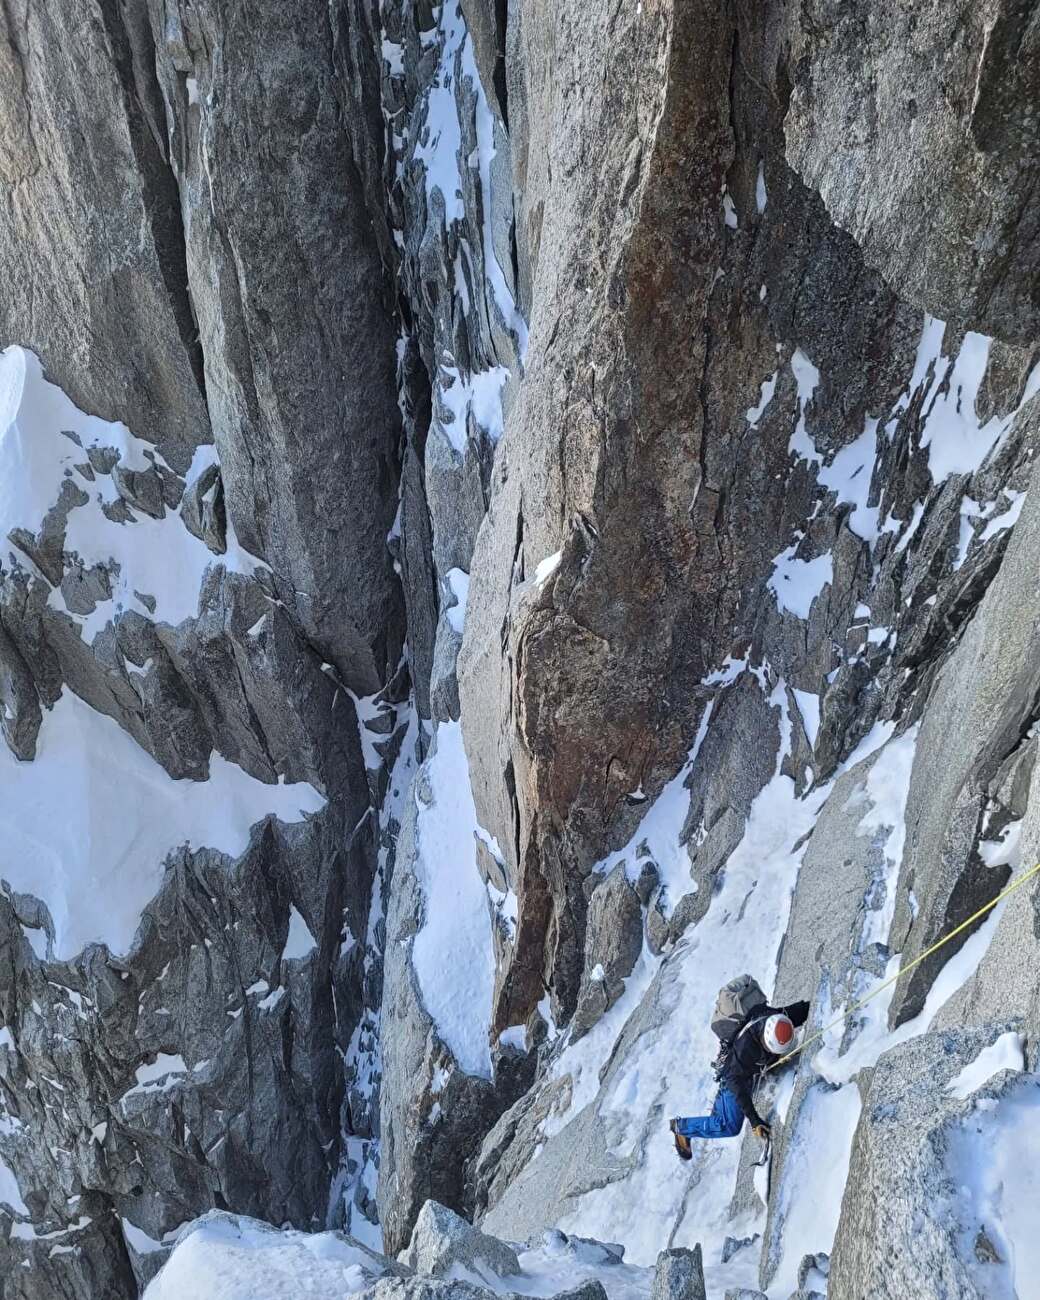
[809,708]
[545,569]
[755,413]
[994,1162]
[1007,519]
[806,378]
[9,1193]
[849,476]
[458,395]
[88,824]
[225,1259]
[452,953]
[159,1075]
[957,443]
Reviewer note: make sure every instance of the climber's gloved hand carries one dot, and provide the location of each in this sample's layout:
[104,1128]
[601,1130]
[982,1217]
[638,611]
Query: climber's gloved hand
[762,1131]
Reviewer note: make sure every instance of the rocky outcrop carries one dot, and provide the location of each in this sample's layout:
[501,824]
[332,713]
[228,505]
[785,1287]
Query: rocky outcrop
[441,1242]
[293,314]
[678,1275]
[900,1163]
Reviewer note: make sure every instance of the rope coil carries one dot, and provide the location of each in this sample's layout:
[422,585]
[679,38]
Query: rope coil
[1004,893]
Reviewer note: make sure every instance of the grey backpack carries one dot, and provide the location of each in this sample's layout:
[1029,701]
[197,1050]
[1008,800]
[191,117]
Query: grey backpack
[735,1002]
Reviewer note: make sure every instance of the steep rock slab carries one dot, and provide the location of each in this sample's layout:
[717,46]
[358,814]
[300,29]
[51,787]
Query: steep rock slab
[599,464]
[951,90]
[91,243]
[293,314]
[974,737]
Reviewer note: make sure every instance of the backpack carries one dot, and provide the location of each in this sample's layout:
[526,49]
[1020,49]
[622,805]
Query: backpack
[735,1002]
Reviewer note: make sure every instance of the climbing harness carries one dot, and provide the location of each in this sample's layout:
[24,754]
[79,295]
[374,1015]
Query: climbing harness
[907,969]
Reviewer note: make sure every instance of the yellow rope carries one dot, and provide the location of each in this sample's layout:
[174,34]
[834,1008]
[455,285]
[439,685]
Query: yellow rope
[907,969]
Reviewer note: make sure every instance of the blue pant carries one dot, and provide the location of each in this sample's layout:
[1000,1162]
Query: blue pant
[725,1121]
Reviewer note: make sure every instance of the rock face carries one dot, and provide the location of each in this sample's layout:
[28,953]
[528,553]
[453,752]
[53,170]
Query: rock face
[873,79]
[512,515]
[105,303]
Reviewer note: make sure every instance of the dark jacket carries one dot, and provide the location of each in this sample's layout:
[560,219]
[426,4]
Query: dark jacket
[746,1058]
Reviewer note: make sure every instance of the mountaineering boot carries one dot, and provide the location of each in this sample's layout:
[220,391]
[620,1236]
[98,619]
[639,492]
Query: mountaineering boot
[682,1144]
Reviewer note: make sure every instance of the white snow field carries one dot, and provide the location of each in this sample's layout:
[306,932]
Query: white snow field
[225,1259]
[88,824]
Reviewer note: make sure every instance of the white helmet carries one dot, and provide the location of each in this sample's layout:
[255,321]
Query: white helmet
[778,1034]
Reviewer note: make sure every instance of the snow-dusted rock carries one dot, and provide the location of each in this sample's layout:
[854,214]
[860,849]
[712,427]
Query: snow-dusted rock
[590,1290]
[678,1275]
[905,1221]
[442,1241]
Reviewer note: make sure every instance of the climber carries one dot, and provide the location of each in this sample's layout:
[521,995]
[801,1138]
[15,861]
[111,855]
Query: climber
[752,1035]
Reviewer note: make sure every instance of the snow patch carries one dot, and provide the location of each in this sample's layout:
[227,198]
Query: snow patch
[816,1166]
[452,953]
[755,413]
[458,583]
[545,569]
[1007,1053]
[240,1259]
[299,942]
[809,708]
[157,558]
[796,583]
[90,822]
